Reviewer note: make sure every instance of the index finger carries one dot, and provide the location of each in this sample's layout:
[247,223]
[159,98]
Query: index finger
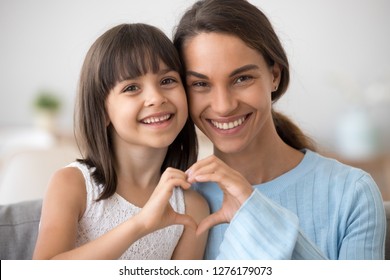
[204,166]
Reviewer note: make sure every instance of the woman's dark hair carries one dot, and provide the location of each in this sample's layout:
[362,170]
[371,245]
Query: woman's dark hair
[247,22]
[123,52]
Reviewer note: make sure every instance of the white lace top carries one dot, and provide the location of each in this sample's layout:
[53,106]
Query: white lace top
[100,217]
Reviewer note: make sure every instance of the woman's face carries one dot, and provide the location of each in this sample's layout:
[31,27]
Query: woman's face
[229,88]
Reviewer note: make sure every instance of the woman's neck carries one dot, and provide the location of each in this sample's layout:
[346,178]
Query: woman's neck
[262,161]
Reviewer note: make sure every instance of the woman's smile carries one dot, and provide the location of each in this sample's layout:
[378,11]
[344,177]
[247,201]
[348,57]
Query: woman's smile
[229,125]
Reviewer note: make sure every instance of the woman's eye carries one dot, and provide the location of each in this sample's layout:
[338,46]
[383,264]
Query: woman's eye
[199,84]
[242,79]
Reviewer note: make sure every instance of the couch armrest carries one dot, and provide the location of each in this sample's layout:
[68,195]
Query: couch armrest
[387,244]
[19,223]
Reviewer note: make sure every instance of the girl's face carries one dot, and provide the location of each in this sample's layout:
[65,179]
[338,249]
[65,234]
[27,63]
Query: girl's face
[229,89]
[148,111]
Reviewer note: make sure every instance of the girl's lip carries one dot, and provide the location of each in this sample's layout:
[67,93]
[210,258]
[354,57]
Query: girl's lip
[157,118]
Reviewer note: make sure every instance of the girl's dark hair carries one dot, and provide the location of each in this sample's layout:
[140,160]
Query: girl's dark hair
[123,52]
[247,22]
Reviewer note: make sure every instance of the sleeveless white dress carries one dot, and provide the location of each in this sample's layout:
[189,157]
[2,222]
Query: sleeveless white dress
[104,215]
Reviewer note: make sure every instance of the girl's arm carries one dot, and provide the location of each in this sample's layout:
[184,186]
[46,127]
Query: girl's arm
[64,205]
[192,246]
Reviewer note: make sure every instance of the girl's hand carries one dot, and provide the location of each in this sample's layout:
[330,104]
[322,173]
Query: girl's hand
[157,212]
[236,189]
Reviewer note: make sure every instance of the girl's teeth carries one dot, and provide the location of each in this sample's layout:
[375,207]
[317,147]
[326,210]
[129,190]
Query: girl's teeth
[156,119]
[228,125]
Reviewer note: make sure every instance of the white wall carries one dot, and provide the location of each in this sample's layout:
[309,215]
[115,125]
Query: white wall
[335,48]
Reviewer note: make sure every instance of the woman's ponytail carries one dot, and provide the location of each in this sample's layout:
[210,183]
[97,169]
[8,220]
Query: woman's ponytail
[290,133]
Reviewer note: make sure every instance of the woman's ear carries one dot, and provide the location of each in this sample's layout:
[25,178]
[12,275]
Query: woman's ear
[276,73]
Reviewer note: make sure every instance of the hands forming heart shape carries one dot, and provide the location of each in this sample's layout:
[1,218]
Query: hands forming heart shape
[236,190]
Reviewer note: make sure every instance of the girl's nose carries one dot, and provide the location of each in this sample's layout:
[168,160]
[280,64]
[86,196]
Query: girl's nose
[155,98]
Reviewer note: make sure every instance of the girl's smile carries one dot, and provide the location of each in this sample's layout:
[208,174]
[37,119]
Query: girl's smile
[159,120]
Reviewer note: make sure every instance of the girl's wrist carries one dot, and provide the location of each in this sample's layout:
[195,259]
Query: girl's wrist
[141,227]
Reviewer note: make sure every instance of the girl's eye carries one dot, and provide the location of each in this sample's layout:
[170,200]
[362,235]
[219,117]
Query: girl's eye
[131,88]
[168,81]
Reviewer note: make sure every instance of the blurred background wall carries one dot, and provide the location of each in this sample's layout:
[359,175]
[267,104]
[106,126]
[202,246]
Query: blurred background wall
[338,50]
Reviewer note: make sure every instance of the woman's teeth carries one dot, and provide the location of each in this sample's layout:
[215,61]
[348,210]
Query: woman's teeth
[228,125]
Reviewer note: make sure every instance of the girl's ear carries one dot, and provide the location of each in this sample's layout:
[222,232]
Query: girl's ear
[107,119]
[276,73]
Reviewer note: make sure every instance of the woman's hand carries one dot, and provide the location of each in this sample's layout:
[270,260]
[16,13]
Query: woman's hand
[236,189]
[157,213]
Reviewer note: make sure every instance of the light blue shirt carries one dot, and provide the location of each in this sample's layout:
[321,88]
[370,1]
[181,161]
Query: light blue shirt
[321,209]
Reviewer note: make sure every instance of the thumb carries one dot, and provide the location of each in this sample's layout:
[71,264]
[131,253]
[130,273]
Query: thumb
[210,221]
[186,220]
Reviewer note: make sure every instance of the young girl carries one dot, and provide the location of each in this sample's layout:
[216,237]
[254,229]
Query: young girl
[124,199]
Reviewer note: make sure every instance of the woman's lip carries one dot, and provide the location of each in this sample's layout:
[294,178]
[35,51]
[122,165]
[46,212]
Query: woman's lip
[228,124]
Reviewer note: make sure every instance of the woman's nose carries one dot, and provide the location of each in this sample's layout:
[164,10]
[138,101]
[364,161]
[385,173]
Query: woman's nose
[223,101]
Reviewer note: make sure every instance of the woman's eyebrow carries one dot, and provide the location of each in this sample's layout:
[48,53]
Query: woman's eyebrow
[233,73]
[243,69]
[196,74]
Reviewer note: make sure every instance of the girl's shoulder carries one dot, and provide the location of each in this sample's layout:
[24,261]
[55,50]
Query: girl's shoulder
[196,205]
[69,176]
[66,190]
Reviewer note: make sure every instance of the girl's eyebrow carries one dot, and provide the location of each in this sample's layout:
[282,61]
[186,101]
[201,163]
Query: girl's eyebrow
[233,73]
[166,70]
[160,72]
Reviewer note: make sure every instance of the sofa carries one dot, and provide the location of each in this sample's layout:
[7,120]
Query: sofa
[19,224]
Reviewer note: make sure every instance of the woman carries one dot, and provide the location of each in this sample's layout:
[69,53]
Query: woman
[282,199]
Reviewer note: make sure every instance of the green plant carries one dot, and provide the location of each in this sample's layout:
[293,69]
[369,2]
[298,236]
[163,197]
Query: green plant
[47,101]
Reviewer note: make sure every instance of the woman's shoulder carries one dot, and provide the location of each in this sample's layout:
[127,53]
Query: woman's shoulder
[340,176]
[330,165]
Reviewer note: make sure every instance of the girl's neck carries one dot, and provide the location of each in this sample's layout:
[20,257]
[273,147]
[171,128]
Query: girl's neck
[138,173]
[140,168]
